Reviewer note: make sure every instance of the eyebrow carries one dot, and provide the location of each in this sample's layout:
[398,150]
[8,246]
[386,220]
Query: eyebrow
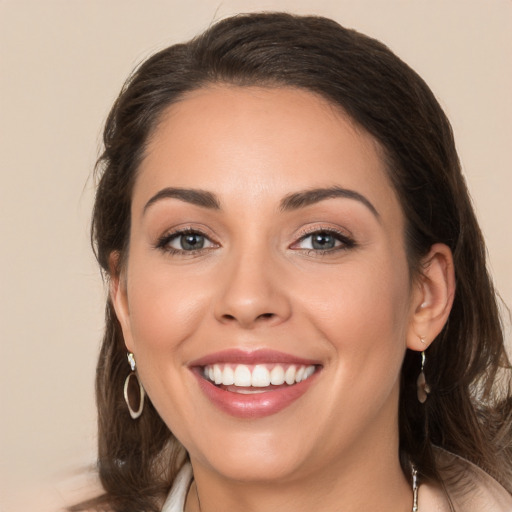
[193,196]
[308,197]
[292,201]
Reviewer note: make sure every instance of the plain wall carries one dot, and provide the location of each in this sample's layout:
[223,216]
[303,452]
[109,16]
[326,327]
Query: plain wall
[62,64]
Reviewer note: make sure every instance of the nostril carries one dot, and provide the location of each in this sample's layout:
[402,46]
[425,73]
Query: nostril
[266,315]
[248,320]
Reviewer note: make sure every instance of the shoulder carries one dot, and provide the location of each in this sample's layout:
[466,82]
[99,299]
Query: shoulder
[469,488]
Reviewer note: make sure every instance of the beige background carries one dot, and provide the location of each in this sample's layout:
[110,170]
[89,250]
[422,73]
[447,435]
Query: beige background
[61,66]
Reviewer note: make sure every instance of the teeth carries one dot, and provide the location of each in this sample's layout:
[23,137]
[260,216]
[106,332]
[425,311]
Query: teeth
[258,376]
[228,376]
[277,375]
[289,375]
[245,391]
[309,371]
[242,376]
[217,374]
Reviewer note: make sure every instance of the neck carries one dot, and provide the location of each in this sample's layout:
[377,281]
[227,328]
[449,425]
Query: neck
[353,472]
[373,482]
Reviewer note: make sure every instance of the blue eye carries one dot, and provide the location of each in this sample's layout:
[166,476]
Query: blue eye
[324,241]
[188,242]
[185,241]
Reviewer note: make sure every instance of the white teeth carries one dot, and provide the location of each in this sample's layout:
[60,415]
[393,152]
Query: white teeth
[217,374]
[277,375]
[289,375]
[228,376]
[242,375]
[245,391]
[258,376]
[309,371]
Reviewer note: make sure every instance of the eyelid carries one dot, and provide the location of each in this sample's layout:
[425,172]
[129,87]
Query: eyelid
[346,239]
[162,243]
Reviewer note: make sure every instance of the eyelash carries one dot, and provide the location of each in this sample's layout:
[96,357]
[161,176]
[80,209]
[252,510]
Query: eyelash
[346,242]
[164,241]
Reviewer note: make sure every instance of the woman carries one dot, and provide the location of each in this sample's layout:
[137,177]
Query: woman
[300,314]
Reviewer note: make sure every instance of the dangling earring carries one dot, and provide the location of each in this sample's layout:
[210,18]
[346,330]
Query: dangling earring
[422,386]
[138,412]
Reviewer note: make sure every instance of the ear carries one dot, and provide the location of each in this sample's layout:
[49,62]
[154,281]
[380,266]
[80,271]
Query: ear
[119,297]
[432,297]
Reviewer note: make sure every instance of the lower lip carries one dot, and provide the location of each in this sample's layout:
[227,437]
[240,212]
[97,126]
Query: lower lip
[257,405]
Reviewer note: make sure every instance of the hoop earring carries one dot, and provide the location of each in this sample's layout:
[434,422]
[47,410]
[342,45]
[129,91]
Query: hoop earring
[423,388]
[134,414]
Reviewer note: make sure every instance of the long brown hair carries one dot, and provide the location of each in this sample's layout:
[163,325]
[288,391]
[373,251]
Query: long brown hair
[467,412]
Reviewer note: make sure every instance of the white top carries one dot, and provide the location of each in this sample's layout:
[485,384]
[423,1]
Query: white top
[175,502]
[481,493]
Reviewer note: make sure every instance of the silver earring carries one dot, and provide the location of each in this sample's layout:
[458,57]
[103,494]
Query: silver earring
[138,412]
[415,487]
[422,386]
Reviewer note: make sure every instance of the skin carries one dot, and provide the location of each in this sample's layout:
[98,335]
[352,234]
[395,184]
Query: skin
[258,284]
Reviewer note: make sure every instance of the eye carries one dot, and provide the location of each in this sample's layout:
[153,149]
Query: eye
[187,241]
[324,241]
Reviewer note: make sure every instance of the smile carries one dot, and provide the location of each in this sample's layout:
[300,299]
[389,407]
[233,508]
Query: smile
[256,376]
[254,384]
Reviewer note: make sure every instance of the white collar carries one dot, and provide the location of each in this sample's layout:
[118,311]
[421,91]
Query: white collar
[175,502]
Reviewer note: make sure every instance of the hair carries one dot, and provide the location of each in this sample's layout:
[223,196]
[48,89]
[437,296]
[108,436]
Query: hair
[469,409]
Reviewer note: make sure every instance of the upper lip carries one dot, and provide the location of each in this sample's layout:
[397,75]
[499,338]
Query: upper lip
[259,356]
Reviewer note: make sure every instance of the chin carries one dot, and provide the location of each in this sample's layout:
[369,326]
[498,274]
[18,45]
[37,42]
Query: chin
[250,457]
[257,467]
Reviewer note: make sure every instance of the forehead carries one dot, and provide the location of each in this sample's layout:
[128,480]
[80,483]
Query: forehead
[260,144]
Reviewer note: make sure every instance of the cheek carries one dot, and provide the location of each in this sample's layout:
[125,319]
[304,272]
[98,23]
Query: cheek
[364,318]
[165,310]
[163,307]
[363,312]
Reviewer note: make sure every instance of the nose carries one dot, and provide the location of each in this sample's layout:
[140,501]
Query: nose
[253,292]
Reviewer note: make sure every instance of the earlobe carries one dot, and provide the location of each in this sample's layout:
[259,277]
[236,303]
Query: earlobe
[119,298]
[432,298]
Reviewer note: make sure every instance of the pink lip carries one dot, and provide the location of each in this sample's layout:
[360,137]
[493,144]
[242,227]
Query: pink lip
[256,405]
[253,357]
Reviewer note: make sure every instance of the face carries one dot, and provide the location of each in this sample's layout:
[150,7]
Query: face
[266,294]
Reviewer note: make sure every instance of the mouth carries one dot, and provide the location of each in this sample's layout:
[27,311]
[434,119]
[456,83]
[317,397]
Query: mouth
[259,378]
[254,384]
